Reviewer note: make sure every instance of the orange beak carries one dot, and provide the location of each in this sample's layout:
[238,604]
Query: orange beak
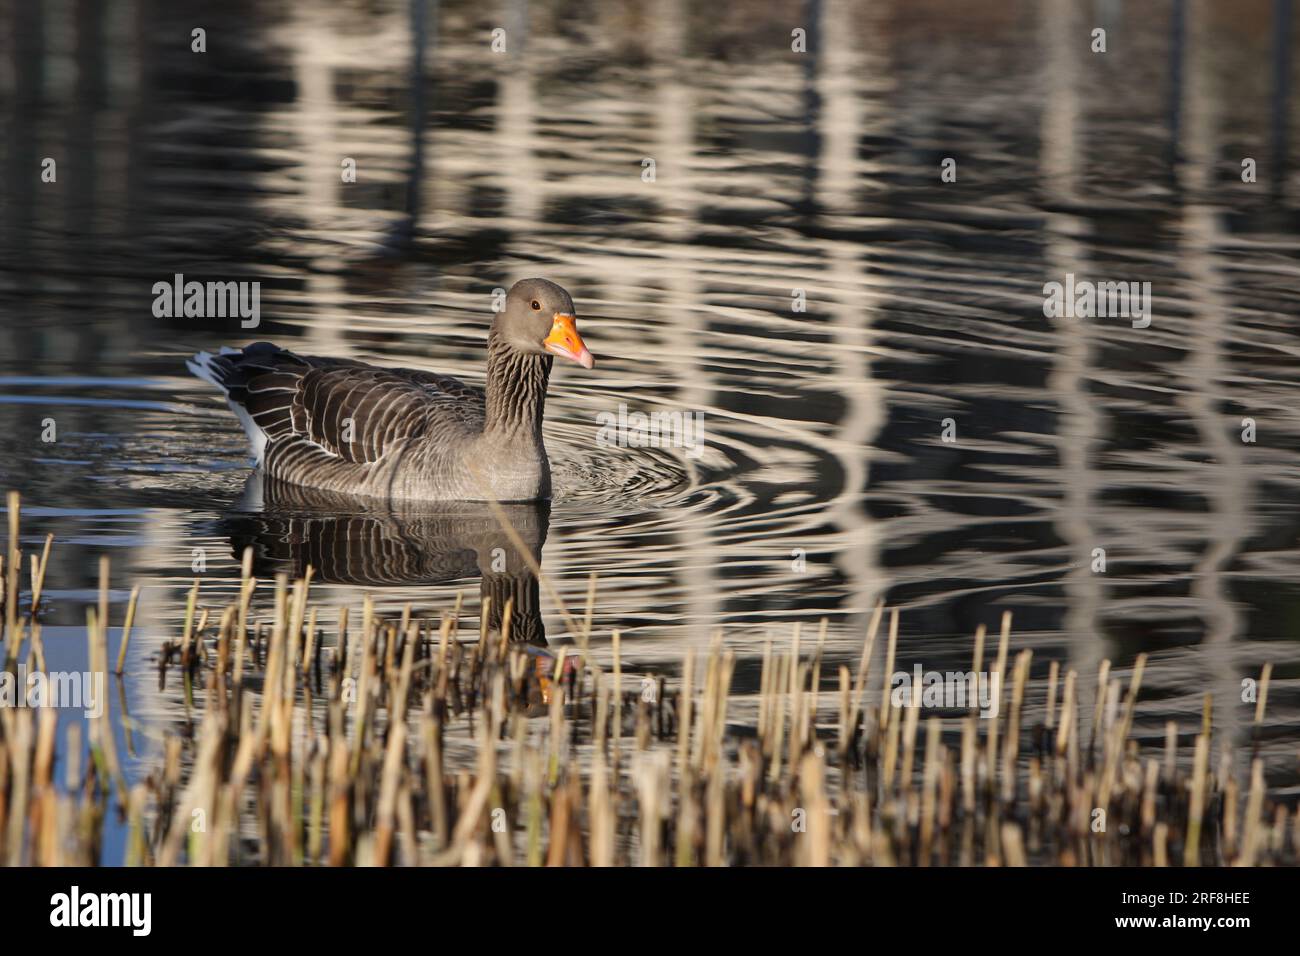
[565,341]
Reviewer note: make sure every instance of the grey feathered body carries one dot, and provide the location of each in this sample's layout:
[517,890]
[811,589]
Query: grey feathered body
[400,434]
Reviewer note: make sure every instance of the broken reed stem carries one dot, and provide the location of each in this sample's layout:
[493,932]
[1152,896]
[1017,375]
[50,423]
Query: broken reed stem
[126,630]
[1192,849]
[13,564]
[888,675]
[1264,677]
[38,573]
[859,687]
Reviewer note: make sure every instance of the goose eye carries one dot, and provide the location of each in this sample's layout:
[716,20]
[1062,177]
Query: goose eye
[537,306]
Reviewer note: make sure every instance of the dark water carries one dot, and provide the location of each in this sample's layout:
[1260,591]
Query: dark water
[825,484]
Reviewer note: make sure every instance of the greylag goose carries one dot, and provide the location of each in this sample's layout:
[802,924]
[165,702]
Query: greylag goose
[405,434]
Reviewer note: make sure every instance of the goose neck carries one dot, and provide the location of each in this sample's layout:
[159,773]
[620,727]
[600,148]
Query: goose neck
[516,389]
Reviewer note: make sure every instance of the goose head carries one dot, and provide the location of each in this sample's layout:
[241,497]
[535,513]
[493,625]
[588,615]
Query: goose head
[539,319]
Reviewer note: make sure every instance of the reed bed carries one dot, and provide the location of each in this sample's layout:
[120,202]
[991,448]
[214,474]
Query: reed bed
[302,748]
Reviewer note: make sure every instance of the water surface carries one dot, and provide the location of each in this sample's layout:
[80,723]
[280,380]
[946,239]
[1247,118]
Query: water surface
[780,179]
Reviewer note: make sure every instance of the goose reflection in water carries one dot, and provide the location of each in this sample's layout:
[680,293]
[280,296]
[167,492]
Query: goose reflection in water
[347,540]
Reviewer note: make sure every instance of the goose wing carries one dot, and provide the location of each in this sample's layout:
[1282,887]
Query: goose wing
[343,410]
